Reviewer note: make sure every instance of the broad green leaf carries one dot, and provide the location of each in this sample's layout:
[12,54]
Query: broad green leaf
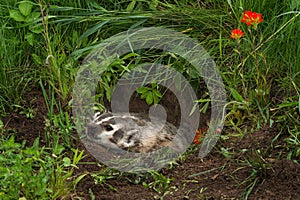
[29,38]
[142,90]
[10,143]
[67,161]
[37,60]
[131,6]
[58,149]
[145,94]
[236,95]
[37,29]
[155,99]
[32,17]
[29,151]
[157,93]
[149,98]
[25,8]
[16,15]
[36,143]
[153,5]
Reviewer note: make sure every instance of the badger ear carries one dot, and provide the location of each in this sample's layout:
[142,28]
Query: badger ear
[96,116]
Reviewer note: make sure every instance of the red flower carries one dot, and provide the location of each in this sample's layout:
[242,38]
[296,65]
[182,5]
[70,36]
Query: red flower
[199,135]
[252,18]
[237,34]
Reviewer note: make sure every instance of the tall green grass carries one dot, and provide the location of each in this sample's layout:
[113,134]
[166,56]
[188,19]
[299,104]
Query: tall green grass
[281,28]
[15,71]
[74,27]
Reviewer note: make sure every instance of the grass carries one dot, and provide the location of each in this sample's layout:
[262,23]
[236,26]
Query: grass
[44,50]
[34,172]
[13,59]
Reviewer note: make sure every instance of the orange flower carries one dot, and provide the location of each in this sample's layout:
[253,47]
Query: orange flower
[199,135]
[252,18]
[237,34]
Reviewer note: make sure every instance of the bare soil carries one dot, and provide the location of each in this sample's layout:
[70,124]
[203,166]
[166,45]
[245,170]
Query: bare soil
[219,175]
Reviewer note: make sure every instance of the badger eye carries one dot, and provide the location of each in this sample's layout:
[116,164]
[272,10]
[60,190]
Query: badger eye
[108,127]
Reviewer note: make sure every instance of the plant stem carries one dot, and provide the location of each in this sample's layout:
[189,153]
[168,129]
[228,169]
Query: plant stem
[45,25]
[242,69]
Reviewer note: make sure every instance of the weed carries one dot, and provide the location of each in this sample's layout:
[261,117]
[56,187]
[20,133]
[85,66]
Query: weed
[293,142]
[151,94]
[103,175]
[58,126]
[289,120]
[110,76]
[35,173]
[161,184]
[29,112]
[259,170]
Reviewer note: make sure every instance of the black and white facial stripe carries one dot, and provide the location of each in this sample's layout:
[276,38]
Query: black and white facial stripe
[129,132]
